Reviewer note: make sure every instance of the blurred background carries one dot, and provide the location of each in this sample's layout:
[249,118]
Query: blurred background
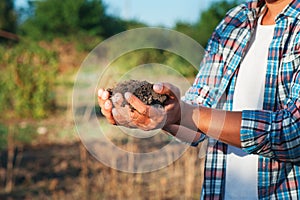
[42,45]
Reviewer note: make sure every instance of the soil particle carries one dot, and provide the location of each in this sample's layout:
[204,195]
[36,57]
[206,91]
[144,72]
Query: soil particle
[141,89]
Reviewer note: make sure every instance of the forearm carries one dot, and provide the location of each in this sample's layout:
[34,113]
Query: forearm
[221,125]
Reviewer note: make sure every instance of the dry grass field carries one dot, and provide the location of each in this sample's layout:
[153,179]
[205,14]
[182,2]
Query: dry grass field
[54,164]
[68,171]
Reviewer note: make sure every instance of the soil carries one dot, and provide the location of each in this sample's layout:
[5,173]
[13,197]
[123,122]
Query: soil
[141,89]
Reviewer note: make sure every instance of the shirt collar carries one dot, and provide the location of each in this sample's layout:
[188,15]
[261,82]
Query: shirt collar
[255,5]
[292,10]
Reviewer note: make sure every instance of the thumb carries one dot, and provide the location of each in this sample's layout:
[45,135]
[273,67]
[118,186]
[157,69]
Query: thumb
[158,88]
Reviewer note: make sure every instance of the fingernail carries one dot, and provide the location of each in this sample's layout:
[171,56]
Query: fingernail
[127,95]
[158,87]
[116,98]
[100,91]
[105,95]
[107,105]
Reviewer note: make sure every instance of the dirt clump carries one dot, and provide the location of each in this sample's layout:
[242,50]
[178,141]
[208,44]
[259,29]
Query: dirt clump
[141,89]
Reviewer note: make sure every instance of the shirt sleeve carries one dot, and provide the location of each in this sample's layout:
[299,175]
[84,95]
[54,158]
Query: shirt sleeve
[275,134]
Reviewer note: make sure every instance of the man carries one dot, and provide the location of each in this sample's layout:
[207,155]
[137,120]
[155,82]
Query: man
[245,100]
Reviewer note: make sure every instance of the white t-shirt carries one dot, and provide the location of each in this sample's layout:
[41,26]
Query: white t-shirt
[241,169]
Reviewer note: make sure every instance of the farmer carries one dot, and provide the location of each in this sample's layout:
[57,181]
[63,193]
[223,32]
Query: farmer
[245,101]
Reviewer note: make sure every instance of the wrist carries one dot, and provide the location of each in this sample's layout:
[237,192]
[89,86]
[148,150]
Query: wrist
[182,113]
[198,140]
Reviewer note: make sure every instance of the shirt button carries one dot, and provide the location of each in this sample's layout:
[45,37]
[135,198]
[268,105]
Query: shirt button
[229,71]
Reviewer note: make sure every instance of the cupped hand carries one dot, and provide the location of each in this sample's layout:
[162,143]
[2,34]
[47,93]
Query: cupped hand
[139,115]
[148,117]
[172,106]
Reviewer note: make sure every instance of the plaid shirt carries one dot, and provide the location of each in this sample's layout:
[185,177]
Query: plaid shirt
[274,132]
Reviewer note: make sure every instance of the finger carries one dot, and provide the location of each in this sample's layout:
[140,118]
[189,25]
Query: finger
[105,105]
[155,120]
[158,87]
[156,112]
[142,122]
[137,118]
[100,101]
[107,111]
[166,88]
[117,100]
[121,115]
[102,97]
[105,95]
[136,103]
[100,91]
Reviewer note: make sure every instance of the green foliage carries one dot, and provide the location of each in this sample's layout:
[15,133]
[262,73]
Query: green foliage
[56,18]
[85,43]
[22,133]
[180,65]
[90,17]
[52,18]
[188,29]
[27,80]
[8,17]
[209,19]
[132,24]
[3,136]
[145,56]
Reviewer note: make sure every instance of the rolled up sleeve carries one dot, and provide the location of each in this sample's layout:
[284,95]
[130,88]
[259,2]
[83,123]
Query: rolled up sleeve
[273,134]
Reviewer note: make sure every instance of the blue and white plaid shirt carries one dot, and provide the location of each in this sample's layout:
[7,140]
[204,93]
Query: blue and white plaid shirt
[274,132]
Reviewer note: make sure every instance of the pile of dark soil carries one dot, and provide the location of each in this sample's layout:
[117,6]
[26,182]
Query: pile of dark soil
[141,89]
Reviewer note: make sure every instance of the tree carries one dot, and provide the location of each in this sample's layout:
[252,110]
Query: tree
[8,18]
[91,16]
[56,18]
[186,28]
[209,19]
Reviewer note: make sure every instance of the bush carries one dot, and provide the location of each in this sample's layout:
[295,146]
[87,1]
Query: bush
[27,80]
[3,136]
[21,133]
[135,58]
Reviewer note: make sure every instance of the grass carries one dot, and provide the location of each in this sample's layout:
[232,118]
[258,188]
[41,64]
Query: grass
[55,165]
